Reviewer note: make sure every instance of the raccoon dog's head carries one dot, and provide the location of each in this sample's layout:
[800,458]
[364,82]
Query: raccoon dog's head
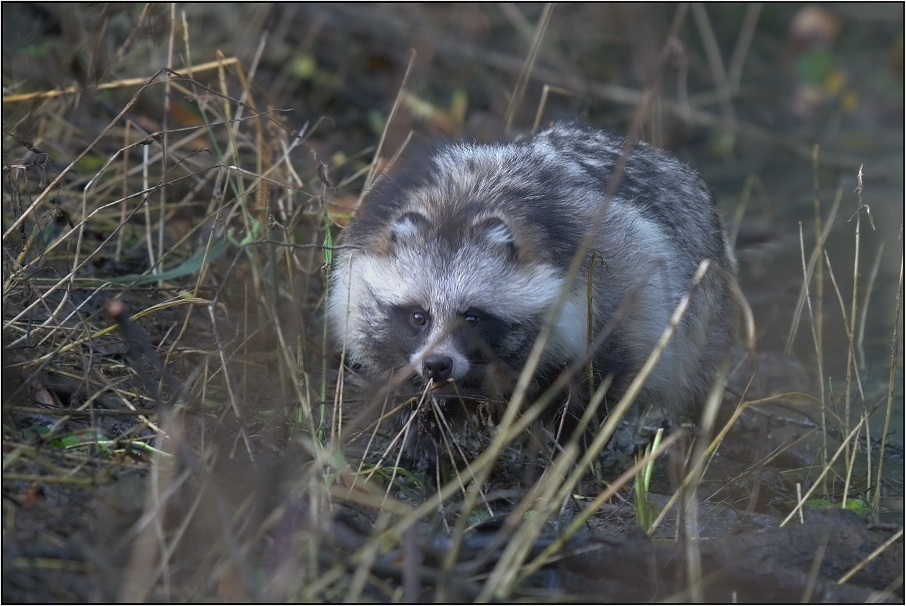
[444,274]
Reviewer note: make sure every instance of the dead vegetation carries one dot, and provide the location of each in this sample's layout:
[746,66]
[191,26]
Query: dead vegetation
[176,425]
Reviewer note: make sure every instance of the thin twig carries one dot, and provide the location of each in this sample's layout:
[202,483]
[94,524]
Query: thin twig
[396,104]
[49,94]
[860,330]
[891,385]
[738,58]
[718,74]
[84,153]
[519,91]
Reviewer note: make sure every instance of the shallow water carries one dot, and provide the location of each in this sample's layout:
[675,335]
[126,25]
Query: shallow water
[771,275]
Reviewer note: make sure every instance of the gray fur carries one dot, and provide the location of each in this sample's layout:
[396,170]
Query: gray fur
[493,227]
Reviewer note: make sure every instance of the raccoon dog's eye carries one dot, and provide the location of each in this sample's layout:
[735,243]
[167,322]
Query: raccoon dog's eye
[473,320]
[418,318]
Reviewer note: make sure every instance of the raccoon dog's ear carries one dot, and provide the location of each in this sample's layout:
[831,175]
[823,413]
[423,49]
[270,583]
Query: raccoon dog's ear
[407,226]
[496,231]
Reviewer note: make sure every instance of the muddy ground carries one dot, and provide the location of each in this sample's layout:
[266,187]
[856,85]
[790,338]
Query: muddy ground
[177,427]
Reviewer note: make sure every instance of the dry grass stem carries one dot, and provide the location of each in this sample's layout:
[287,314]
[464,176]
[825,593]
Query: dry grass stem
[891,384]
[519,90]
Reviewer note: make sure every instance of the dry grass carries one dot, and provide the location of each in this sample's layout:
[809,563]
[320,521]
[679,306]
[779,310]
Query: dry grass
[167,376]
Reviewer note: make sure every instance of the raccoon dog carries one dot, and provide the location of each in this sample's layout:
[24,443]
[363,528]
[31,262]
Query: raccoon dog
[456,257]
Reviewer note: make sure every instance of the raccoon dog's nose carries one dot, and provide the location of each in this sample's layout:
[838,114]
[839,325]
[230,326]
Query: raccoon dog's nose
[438,368]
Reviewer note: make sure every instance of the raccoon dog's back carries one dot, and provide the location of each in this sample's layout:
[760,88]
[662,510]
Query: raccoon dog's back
[456,256]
